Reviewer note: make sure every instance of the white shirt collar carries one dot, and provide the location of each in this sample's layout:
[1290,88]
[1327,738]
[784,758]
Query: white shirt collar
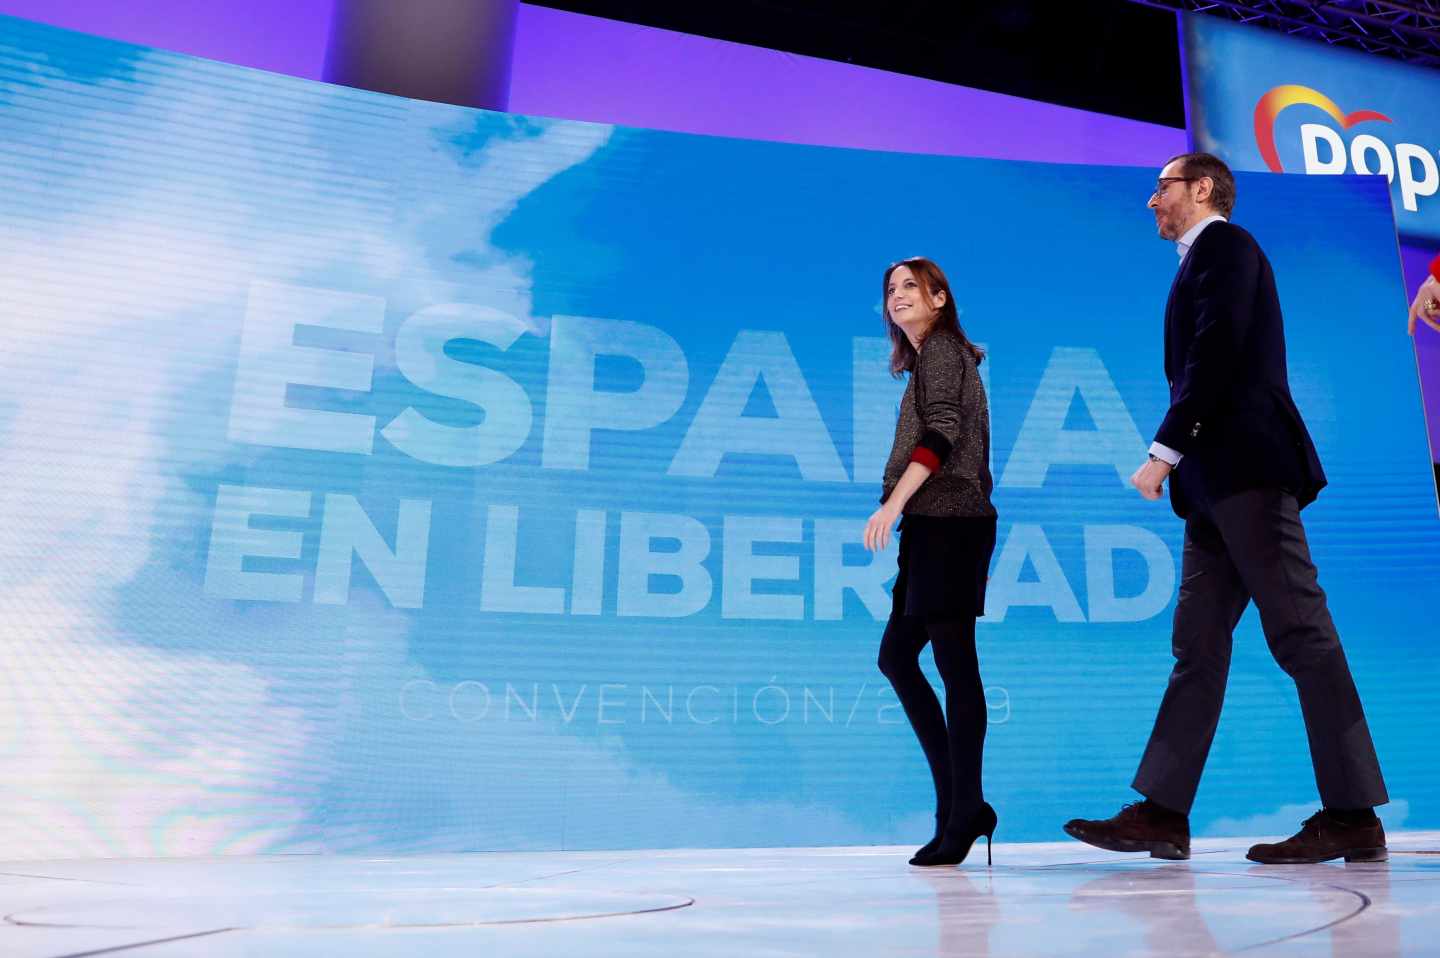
[1183,244]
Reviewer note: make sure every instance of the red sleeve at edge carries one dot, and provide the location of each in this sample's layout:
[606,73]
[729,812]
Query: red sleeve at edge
[926,458]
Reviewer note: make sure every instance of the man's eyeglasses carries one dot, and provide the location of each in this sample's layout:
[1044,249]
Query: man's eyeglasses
[1165,181]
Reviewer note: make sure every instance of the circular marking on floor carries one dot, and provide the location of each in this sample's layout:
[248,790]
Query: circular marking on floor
[359,908]
[1107,908]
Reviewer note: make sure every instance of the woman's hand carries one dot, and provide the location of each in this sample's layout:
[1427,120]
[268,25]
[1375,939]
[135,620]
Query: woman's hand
[879,527]
[1426,306]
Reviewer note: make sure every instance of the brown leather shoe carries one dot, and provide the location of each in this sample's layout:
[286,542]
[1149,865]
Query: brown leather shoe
[1323,837]
[1138,827]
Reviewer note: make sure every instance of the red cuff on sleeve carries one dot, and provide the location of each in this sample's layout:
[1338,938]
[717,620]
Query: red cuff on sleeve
[1435,268]
[926,458]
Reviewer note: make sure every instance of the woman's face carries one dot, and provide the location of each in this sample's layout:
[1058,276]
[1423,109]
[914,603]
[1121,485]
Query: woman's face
[906,303]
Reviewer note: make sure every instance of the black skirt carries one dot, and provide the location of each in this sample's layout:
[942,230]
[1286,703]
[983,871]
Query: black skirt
[944,563]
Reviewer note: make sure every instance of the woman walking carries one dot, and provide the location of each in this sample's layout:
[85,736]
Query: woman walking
[937,481]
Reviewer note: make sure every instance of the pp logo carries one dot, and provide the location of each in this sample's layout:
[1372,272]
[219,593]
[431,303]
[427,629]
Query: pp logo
[1414,165]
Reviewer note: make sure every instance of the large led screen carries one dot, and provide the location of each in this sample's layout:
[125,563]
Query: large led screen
[387,476]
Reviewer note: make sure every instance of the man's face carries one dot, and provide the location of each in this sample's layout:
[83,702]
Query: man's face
[1173,202]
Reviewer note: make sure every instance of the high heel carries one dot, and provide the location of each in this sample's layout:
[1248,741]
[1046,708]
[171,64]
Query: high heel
[955,846]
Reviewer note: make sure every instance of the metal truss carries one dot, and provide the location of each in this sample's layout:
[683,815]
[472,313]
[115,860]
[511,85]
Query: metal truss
[1408,30]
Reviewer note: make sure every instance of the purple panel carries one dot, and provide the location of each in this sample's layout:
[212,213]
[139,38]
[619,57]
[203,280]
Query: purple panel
[587,68]
[284,36]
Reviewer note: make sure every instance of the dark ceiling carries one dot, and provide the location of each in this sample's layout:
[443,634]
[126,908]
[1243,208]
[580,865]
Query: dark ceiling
[1407,30]
[1109,56]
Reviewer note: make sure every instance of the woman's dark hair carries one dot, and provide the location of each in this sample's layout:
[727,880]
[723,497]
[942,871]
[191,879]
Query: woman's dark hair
[932,280]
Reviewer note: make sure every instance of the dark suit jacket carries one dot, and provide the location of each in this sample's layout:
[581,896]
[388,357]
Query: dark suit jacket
[1231,414]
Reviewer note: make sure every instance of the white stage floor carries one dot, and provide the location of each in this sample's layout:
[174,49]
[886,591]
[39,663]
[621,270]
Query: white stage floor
[1038,899]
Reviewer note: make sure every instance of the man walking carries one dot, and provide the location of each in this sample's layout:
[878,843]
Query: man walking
[1241,467]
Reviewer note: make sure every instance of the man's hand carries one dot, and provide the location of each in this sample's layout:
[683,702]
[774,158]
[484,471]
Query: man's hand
[1150,478]
[879,527]
[1426,306]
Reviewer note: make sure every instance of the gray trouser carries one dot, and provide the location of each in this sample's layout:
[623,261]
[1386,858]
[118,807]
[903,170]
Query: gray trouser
[1252,546]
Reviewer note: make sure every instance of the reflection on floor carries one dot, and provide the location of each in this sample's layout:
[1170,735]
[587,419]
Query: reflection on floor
[1038,899]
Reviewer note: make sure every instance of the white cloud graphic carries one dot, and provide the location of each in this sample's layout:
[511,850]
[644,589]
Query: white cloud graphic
[150,199]
[150,719]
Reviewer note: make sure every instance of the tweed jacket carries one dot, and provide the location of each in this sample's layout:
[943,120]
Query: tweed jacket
[944,422]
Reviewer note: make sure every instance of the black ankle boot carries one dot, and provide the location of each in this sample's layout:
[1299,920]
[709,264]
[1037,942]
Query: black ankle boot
[958,838]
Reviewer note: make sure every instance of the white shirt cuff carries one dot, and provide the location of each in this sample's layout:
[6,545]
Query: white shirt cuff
[1165,453]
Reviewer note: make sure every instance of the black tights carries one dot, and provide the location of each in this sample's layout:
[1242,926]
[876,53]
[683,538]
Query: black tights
[954,756]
